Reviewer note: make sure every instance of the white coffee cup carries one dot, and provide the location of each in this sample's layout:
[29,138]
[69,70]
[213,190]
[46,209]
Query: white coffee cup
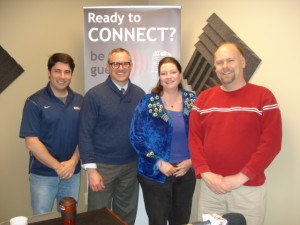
[19,220]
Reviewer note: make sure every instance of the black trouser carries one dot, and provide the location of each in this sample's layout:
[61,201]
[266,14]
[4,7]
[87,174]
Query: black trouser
[171,201]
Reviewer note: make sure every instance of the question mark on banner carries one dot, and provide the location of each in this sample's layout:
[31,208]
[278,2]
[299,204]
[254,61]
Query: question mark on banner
[173,31]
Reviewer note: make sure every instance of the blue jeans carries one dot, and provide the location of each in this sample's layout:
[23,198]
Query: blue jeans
[171,201]
[44,190]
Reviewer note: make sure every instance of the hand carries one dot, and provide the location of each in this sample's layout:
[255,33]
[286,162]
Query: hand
[66,169]
[215,182]
[166,168]
[183,167]
[96,181]
[234,181]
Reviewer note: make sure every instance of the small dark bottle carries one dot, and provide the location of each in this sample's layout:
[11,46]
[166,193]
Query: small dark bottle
[68,210]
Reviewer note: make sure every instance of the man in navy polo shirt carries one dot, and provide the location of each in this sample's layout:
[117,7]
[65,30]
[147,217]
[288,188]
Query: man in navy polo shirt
[49,127]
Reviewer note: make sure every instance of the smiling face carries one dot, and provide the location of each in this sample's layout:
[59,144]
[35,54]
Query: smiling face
[60,77]
[120,73]
[229,64]
[169,76]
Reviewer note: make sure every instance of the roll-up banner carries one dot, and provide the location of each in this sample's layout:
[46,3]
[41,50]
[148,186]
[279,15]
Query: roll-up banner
[149,33]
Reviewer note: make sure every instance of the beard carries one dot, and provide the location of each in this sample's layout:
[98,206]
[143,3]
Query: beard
[225,79]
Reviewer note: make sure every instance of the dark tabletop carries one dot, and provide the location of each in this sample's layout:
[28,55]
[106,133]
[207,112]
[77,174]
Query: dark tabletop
[96,217]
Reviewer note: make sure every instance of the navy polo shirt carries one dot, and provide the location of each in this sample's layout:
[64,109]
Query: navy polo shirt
[54,123]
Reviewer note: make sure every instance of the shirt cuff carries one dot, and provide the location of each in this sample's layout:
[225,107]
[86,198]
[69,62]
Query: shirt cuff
[89,166]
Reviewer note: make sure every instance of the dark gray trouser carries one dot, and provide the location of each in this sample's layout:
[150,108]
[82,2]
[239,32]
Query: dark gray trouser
[171,201]
[120,193]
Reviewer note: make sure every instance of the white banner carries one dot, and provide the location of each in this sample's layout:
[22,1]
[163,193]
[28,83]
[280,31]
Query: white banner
[148,32]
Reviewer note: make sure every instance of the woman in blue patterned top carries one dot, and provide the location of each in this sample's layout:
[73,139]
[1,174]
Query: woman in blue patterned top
[159,134]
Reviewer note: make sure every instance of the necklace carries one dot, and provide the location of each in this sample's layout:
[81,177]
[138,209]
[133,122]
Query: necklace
[176,103]
[171,105]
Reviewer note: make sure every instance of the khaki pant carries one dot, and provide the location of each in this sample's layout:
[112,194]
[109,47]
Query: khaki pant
[249,201]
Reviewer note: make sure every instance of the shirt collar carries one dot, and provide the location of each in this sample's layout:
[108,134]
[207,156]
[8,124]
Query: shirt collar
[119,87]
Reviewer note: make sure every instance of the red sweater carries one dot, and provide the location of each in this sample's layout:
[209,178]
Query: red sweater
[237,131]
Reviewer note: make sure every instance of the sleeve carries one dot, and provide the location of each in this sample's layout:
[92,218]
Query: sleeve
[31,119]
[140,132]
[270,138]
[87,123]
[195,139]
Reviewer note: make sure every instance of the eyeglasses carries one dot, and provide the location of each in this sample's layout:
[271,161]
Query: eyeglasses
[116,65]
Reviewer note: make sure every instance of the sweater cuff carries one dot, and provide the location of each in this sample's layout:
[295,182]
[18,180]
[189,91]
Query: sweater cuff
[201,169]
[248,173]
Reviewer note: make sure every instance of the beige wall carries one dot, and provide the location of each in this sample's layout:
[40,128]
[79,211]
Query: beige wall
[31,30]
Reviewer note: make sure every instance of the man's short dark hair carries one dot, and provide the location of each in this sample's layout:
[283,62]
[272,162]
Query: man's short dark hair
[61,57]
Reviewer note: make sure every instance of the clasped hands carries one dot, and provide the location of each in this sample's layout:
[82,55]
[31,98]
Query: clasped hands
[221,185]
[178,171]
[66,169]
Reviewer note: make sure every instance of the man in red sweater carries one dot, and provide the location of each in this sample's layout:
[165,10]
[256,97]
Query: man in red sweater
[235,133]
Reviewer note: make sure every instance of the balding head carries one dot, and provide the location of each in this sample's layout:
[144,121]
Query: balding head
[229,65]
